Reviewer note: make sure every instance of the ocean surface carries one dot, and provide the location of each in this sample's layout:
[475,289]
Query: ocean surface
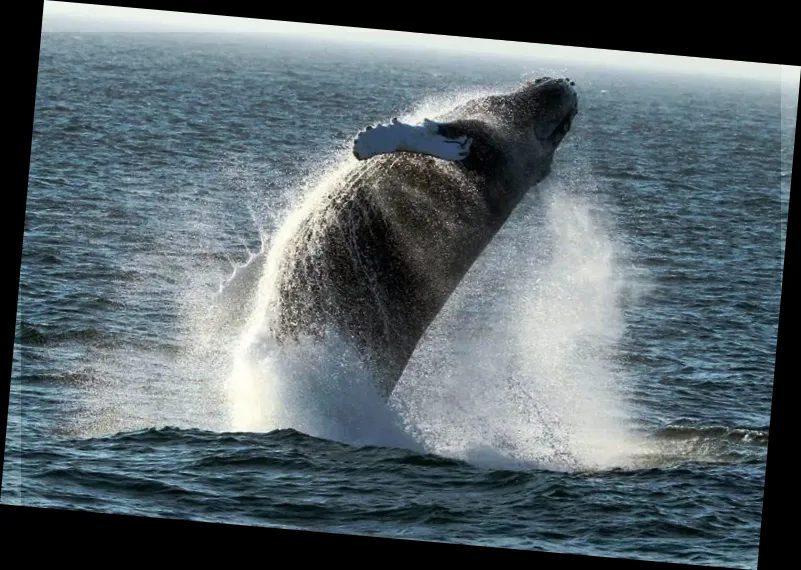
[599,384]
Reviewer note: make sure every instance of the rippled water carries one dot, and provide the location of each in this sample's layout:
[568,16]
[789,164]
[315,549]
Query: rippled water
[600,384]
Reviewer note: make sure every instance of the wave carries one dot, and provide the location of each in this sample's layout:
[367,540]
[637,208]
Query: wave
[671,446]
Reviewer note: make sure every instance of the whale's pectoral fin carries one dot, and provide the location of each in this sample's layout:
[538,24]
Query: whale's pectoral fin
[400,137]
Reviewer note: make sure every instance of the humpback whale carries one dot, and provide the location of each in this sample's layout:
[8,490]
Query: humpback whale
[377,258]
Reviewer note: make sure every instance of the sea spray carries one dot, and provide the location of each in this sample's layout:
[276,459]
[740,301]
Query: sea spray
[515,371]
[518,370]
[272,386]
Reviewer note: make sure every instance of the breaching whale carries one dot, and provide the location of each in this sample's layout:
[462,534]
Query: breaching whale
[377,258]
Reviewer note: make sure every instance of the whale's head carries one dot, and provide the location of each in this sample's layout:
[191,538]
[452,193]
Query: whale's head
[533,120]
[539,114]
[529,122]
[542,109]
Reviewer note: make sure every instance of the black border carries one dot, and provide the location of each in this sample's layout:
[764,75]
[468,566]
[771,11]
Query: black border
[62,532]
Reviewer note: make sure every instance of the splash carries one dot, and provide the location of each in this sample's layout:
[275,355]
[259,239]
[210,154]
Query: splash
[519,370]
[516,372]
[318,389]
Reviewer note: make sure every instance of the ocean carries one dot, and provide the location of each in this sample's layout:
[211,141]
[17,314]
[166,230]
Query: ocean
[600,383]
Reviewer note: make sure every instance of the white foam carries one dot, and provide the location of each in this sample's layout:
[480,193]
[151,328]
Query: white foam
[527,382]
[518,369]
[421,139]
[319,389]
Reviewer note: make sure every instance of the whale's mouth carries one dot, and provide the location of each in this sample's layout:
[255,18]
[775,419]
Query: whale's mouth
[554,128]
[566,124]
[558,131]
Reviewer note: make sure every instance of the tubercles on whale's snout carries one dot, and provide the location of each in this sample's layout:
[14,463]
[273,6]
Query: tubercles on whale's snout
[546,78]
[542,81]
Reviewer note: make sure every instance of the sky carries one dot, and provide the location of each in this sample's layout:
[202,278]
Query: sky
[89,17]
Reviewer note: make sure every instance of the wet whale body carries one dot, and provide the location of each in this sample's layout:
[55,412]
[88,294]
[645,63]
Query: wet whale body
[378,256]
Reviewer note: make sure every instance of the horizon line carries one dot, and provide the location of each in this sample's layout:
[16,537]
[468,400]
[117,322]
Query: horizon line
[121,19]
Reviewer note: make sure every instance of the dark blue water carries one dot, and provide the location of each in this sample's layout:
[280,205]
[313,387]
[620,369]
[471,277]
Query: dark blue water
[600,384]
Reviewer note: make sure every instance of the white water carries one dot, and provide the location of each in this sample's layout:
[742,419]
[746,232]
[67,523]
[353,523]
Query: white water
[516,372]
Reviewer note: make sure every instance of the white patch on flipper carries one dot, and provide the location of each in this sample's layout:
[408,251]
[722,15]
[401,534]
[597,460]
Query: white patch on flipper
[420,139]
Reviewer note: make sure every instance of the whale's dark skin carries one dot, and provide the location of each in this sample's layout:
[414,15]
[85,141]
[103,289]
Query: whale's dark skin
[377,258]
